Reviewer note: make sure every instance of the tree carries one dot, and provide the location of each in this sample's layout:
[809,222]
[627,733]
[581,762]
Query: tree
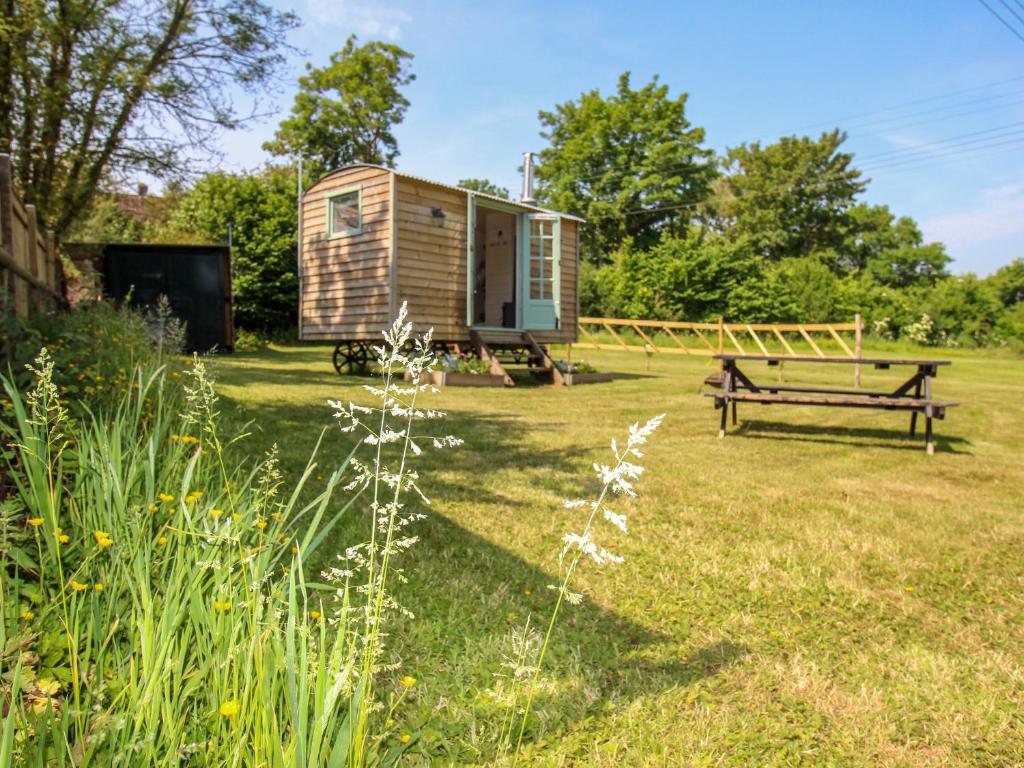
[92,92]
[260,210]
[892,250]
[629,163]
[681,278]
[1008,283]
[791,198]
[345,112]
[485,186]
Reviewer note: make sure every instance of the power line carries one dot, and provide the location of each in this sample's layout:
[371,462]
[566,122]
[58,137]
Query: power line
[915,102]
[611,174]
[935,110]
[1003,21]
[951,141]
[1000,141]
[1010,9]
[973,154]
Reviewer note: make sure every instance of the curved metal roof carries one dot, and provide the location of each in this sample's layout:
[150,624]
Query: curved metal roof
[413,177]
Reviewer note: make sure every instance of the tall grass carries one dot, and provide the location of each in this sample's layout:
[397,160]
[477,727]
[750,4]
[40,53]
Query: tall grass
[156,608]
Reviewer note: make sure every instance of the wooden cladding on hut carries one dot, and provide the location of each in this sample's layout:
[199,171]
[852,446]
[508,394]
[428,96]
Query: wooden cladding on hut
[372,238]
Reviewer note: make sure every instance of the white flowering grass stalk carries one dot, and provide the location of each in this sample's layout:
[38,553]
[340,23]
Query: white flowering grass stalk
[388,429]
[617,479]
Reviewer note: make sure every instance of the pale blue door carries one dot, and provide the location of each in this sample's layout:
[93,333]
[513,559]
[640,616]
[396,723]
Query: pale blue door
[540,280]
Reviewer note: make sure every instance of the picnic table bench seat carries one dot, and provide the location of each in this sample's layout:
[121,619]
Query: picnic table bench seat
[853,401]
[913,396]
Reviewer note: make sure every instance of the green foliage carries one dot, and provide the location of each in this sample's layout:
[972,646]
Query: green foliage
[791,198]
[892,250]
[630,163]
[346,111]
[484,185]
[261,211]
[690,277]
[113,217]
[963,308]
[91,92]
[1008,283]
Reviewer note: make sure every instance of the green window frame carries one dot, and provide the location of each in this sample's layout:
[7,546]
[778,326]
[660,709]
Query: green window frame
[333,227]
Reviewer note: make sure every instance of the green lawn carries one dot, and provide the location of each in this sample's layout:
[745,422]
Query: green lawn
[812,590]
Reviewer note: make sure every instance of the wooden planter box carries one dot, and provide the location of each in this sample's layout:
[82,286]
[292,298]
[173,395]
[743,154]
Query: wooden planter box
[456,379]
[572,379]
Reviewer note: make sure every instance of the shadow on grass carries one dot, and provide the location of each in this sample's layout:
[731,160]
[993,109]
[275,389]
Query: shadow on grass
[465,587]
[836,435]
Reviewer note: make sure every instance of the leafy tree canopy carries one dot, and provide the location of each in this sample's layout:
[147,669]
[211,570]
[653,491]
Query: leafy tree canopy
[1008,283]
[630,163]
[92,92]
[485,186]
[791,198]
[345,112]
[891,249]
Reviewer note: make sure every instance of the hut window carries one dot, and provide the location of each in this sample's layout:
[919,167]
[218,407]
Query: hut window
[542,258]
[345,213]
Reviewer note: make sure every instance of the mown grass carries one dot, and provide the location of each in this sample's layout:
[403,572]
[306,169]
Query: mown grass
[812,590]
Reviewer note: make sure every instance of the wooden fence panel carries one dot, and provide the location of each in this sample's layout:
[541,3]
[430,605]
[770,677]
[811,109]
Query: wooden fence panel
[749,339]
[30,275]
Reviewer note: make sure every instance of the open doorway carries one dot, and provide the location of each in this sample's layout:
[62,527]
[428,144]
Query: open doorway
[494,270]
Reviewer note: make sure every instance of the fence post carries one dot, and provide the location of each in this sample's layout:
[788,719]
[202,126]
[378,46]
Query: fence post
[51,259]
[721,341]
[7,230]
[858,334]
[32,258]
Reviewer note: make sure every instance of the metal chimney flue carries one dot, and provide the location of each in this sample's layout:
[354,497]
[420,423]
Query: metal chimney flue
[527,196]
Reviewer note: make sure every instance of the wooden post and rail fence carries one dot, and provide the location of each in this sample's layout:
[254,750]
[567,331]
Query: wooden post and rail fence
[796,340]
[30,271]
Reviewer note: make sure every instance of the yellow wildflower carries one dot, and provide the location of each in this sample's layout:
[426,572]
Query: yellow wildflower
[216,512]
[295,550]
[165,497]
[103,539]
[153,507]
[41,705]
[35,522]
[261,524]
[405,738]
[78,586]
[221,605]
[230,708]
[27,615]
[235,516]
[98,587]
[408,681]
[162,540]
[196,494]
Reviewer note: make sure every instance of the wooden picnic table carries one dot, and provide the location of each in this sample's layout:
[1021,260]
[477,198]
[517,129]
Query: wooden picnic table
[913,395]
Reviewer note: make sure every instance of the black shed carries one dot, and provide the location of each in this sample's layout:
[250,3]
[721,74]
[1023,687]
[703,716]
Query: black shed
[195,278]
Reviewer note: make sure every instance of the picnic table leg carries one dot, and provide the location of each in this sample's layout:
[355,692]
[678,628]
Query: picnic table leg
[734,413]
[929,438]
[913,415]
[727,387]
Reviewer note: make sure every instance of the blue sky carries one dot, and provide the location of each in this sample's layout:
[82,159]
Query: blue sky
[753,71]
